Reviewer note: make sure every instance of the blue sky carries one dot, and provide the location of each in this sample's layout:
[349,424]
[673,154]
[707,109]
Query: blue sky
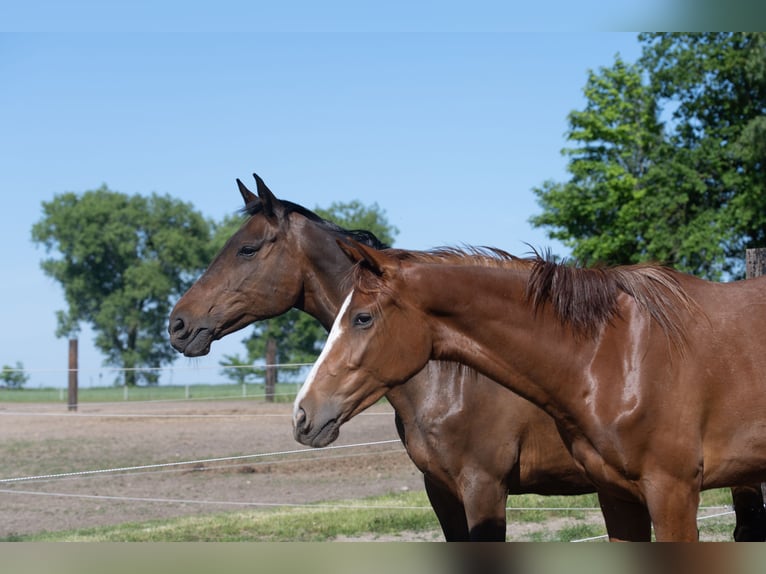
[447,132]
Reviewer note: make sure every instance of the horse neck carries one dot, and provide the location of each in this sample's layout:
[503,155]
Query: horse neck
[326,269]
[481,317]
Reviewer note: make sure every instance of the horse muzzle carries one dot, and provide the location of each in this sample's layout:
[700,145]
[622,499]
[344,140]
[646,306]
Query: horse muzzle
[317,433]
[192,342]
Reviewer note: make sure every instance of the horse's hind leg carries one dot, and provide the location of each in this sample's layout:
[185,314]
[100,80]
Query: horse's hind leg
[449,510]
[626,521]
[751,515]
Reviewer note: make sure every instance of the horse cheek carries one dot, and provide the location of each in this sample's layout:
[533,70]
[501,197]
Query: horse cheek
[417,340]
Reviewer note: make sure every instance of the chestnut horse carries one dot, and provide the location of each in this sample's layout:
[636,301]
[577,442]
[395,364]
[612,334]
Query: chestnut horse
[655,378]
[286,256]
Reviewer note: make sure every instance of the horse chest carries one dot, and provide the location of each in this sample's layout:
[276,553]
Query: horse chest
[599,470]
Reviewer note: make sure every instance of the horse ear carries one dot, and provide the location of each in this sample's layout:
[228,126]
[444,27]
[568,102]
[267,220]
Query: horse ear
[268,199]
[373,259]
[247,195]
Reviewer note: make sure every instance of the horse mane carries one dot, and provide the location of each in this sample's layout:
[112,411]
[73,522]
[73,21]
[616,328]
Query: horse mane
[468,255]
[361,235]
[585,298]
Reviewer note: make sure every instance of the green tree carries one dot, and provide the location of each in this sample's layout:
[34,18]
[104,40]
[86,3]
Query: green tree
[237,369]
[14,377]
[221,231]
[692,192]
[601,212]
[716,83]
[298,336]
[121,261]
[355,215]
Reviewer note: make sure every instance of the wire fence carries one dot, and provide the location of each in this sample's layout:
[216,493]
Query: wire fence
[209,386]
[171,375]
[704,512]
[177,383]
[190,462]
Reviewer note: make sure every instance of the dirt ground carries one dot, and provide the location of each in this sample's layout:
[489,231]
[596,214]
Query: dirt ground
[46,439]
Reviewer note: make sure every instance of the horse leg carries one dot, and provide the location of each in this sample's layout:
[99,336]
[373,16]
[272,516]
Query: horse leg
[751,515]
[672,505]
[484,498]
[626,521]
[449,510]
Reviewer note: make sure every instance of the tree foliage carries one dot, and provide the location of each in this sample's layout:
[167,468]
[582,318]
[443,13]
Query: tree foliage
[14,377]
[239,370]
[600,211]
[121,261]
[355,215]
[667,157]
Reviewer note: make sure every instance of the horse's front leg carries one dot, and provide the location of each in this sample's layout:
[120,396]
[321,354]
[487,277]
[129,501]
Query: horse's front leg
[484,498]
[626,521]
[449,510]
[672,505]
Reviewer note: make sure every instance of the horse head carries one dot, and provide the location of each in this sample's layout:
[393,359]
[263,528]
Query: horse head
[356,366]
[253,277]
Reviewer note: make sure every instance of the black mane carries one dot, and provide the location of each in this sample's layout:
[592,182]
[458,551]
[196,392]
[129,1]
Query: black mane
[361,235]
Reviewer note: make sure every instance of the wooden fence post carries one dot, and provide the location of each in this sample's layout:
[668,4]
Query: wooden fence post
[271,370]
[755,266]
[755,263]
[72,400]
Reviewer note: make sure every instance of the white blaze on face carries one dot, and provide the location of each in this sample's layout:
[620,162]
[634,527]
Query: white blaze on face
[335,333]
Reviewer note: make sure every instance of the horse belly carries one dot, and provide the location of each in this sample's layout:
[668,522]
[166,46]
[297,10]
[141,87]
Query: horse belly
[737,457]
[734,420]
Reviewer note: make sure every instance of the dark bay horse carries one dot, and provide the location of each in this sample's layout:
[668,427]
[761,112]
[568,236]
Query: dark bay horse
[655,378]
[286,256]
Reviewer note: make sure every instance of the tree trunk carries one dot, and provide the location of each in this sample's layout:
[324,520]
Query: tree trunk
[130,376]
[72,384]
[755,263]
[130,346]
[271,369]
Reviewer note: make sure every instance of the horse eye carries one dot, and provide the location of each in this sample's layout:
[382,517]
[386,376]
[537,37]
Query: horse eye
[247,251]
[363,320]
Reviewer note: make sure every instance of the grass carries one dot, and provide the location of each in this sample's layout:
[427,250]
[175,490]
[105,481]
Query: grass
[388,516]
[314,523]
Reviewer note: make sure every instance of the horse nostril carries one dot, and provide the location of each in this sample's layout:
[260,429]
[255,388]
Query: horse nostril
[178,325]
[299,420]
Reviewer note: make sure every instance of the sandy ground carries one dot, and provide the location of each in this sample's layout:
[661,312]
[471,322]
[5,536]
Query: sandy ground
[45,439]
